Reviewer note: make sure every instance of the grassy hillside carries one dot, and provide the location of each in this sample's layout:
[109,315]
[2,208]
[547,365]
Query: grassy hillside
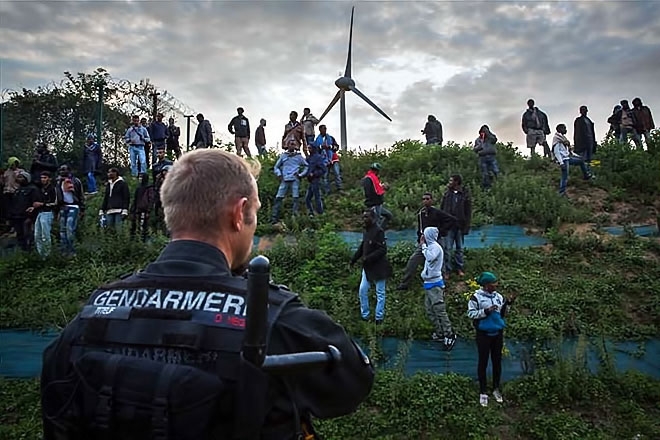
[583,284]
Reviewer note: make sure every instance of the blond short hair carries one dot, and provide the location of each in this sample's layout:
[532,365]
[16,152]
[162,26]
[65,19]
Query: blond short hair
[201,185]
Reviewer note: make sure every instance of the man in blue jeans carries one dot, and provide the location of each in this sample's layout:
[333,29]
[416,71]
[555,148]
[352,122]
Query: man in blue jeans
[136,137]
[456,201]
[45,206]
[565,158]
[375,266]
[289,168]
[71,206]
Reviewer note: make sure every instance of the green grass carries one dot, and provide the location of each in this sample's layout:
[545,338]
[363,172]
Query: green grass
[585,286]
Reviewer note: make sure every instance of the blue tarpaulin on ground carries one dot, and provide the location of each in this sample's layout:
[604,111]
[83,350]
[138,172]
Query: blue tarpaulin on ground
[642,231]
[485,236]
[21,351]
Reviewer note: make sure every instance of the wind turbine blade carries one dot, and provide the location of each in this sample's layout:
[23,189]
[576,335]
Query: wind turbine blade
[347,73]
[368,101]
[332,104]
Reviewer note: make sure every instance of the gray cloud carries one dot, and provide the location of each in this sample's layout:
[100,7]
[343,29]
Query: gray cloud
[469,63]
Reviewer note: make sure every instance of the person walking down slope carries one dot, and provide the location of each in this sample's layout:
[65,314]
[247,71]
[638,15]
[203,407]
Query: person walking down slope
[434,285]
[375,266]
[487,309]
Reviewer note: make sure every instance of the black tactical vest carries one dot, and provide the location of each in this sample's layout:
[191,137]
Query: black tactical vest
[158,358]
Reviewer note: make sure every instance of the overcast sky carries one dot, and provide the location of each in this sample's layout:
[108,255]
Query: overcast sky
[468,63]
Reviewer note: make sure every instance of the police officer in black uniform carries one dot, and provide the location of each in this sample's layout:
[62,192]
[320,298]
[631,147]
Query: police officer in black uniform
[156,352]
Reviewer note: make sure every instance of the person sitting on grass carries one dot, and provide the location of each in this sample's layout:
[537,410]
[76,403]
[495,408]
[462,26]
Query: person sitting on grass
[487,309]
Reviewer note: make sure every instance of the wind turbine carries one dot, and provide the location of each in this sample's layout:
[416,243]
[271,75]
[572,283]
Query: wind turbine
[346,84]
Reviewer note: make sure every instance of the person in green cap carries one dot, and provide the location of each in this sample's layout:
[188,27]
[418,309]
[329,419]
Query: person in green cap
[487,309]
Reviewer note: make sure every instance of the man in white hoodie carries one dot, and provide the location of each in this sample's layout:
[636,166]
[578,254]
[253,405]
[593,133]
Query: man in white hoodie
[561,149]
[434,285]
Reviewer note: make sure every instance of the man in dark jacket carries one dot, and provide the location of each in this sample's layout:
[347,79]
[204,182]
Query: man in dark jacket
[158,135]
[91,162]
[144,201]
[584,136]
[239,126]
[21,210]
[116,201]
[203,134]
[315,171]
[535,125]
[44,160]
[375,266]
[173,134]
[71,202]
[374,193]
[457,202]
[185,315]
[426,217]
[260,138]
[644,121]
[161,162]
[433,131]
[485,147]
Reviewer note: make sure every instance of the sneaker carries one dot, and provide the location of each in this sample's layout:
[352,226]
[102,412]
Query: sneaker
[498,396]
[402,287]
[460,273]
[379,322]
[483,400]
[436,337]
[450,341]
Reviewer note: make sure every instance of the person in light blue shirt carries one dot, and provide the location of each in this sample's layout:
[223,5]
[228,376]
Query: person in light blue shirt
[289,168]
[136,137]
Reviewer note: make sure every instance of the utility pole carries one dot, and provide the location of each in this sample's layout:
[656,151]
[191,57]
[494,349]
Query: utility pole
[154,95]
[188,131]
[99,125]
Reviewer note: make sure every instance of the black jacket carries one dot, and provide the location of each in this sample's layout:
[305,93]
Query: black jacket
[23,198]
[459,205]
[239,126]
[370,196]
[584,135]
[434,217]
[158,167]
[373,250]
[529,121]
[43,162]
[48,196]
[324,393]
[117,198]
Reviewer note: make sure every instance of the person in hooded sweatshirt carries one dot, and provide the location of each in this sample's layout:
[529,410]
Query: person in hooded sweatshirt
[144,201]
[434,285]
[487,308]
[116,200]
